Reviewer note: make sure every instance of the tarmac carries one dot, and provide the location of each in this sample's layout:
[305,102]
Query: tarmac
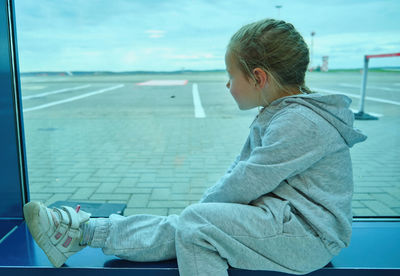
[109,139]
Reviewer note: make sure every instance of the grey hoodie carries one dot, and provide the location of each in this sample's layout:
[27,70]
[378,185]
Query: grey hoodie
[297,154]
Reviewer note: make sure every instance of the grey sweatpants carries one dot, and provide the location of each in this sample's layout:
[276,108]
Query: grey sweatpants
[206,237]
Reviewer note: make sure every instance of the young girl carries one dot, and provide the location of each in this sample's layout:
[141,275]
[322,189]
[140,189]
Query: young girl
[283,205]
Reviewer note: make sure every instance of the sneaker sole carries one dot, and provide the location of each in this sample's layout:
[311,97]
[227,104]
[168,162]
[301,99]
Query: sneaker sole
[31,213]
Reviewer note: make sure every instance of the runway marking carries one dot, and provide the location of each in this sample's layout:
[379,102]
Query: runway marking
[198,108]
[356,96]
[56,92]
[36,87]
[163,82]
[74,98]
[368,86]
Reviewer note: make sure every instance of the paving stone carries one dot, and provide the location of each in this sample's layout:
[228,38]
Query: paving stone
[33,189]
[82,193]
[199,183]
[153,184]
[387,200]
[40,196]
[197,190]
[117,201]
[57,197]
[82,184]
[379,208]
[128,182]
[160,194]
[171,180]
[107,187]
[82,176]
[147,178]
[363,212]
[121,169]
[57,183]
[368,190]
[393,191]
[133,190]
[52,189]
[175,211]
[357,196]
[168,204]
[180,188]
[110,196]
[102,172]
[139,200]
[191,197]
[357,204]
[102,179]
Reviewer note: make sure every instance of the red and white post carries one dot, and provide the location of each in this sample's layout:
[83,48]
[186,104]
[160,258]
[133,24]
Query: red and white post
[360,115]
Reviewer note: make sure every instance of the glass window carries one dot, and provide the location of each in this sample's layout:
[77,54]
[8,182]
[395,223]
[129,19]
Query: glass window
[125,101]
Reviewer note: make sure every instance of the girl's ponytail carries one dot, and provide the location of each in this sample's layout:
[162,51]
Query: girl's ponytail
[305,90]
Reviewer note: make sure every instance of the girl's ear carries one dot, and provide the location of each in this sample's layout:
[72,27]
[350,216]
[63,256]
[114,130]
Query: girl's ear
[260,77]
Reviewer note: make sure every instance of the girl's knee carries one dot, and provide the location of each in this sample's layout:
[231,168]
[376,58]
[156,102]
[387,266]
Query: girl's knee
[191,221]
[194,213]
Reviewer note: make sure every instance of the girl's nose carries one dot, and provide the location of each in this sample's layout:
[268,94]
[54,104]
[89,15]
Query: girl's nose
[228,85]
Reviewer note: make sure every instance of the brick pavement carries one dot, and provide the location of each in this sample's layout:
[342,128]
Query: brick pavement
[149,177]
[158,163]
[376,166]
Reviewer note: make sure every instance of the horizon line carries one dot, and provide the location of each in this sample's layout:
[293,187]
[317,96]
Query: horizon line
[67,72]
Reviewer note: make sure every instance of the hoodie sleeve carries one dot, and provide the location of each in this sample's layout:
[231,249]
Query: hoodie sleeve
[233,165]
[291,144]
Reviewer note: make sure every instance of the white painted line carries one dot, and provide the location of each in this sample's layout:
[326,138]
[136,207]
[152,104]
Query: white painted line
[355,96]
[35,87]
[55,92]
[163,82]
[368,87]
[370,113]
[198,108]
[382,88]
[349,85]
[74,98]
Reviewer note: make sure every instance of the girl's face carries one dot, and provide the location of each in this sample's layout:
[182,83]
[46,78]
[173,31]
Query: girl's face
[242,88]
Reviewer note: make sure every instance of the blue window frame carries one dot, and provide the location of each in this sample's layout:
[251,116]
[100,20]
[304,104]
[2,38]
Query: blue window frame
[13,173]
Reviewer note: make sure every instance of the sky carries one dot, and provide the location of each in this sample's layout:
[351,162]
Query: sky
[169,35]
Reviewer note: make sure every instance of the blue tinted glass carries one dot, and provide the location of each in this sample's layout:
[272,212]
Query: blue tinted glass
[125,101]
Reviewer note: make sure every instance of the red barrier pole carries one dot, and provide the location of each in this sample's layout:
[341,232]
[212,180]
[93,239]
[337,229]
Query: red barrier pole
[382,55]
[360,115]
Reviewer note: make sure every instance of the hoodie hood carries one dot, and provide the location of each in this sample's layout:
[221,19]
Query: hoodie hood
[333,108]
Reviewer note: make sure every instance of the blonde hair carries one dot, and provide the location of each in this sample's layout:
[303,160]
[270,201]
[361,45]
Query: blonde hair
[277,48]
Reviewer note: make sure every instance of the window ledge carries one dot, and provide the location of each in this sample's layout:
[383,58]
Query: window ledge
[374,250]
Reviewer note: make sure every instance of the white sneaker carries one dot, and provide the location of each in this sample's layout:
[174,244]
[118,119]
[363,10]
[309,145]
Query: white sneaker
[58,236]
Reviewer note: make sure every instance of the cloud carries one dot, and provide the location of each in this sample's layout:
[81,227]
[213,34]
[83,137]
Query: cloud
[155,33]
[347,50]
